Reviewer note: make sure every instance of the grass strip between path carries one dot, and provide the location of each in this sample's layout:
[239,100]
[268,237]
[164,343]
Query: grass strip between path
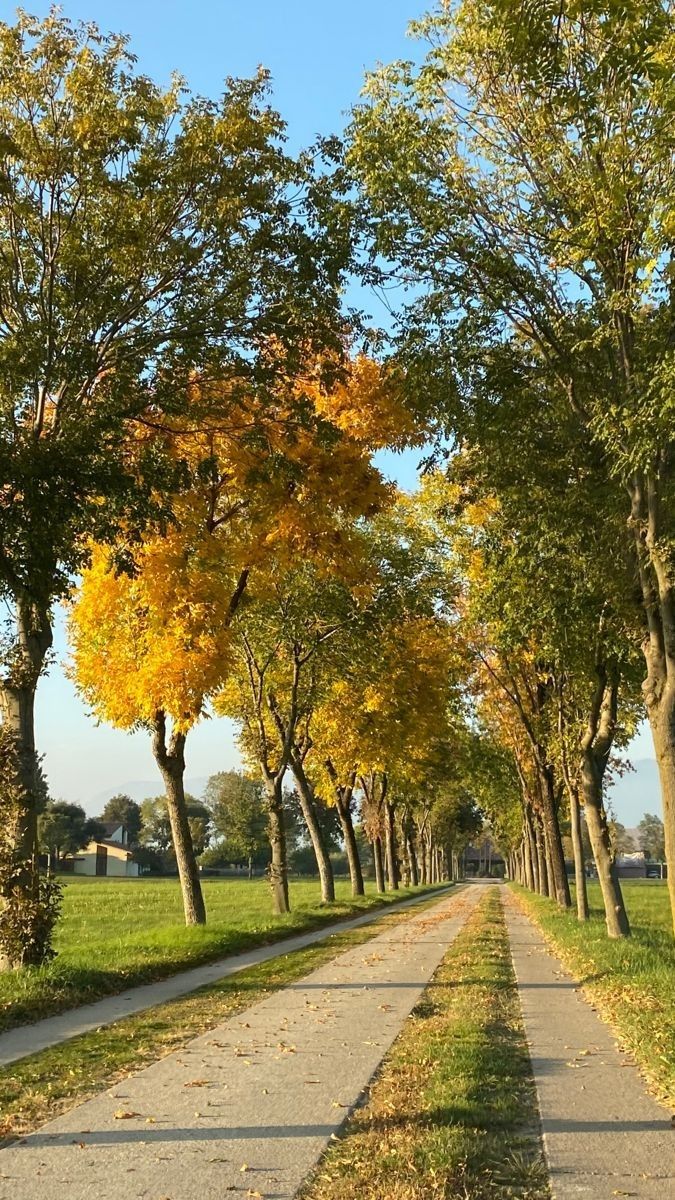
[631,981]
[38,1088]
[452,1112]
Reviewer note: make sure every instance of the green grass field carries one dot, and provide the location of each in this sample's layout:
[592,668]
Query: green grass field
[632,981]
[116,933]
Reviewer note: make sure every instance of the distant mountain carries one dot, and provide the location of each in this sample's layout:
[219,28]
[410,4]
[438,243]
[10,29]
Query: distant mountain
[636,793]
[140,789]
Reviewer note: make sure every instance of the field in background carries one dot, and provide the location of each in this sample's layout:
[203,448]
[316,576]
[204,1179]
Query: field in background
[117,933]
[631,981]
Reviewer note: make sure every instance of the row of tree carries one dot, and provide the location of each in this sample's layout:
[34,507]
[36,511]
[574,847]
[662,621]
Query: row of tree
[521,177]
[187,423]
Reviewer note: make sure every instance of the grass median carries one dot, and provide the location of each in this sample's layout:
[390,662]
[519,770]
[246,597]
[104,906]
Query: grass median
[631,981]
[452,1112]
[113,935]
[40,1087]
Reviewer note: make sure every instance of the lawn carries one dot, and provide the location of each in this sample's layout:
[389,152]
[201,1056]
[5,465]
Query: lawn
[116,933]
[631,981]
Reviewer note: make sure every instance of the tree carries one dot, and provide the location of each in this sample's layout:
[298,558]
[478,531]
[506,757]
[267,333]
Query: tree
[622,840]
[146,234]
[651,837]
[237,808]
[127,812]
[522,177]
[64,828]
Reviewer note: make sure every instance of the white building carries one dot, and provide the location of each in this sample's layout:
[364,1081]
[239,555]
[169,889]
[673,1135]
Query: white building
[110,856]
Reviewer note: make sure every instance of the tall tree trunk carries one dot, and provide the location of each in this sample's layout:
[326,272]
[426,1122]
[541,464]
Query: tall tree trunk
[17,706]
[616,916]
[657,582]
[390,846]
[662,724]
[308,806]
[379,866]
[541,858]
[526,869]
[411,855]
[532,848]
[579,868]
[558,881]
[424,863]
[343,803]
[170,758]
[276,830]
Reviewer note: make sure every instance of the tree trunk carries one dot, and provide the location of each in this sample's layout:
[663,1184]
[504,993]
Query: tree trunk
[526,867]
[17,706]
[541,858]
[171,761]
[379,866]
[662,723]
[579,868]
[278,869]
[598,831]
[390,846]
[411,856]
[250,867]
[532,849]
[343,803]
[276,830]
[351,846]
[558,882]
[657,583]
[308,806]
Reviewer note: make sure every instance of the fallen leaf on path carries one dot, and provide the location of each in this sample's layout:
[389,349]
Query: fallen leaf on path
[123,1115]
[198,1083]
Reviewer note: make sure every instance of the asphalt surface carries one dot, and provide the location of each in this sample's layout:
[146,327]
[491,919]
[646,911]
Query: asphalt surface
[603,1135]
[249,1107]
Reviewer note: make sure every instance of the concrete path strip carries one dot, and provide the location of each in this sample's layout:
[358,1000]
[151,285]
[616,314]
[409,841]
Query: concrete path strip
[249,1107]
[603,1135]
[29,1039]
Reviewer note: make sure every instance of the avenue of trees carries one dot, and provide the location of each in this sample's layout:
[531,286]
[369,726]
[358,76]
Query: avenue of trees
[189,419]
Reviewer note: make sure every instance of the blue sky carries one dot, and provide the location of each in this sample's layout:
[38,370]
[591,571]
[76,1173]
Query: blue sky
[318,54]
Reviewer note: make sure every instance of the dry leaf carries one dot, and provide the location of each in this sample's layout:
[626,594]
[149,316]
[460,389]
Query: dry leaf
[123,1115]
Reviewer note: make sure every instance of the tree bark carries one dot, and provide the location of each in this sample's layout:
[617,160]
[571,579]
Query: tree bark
[17,705]
[411,855]
[379,866]
[276,828]
[343,803]
[558,881]
[657,585]
[308,806]
[662,723]
[616,916]
[170,759]
[579,867]
[390,846]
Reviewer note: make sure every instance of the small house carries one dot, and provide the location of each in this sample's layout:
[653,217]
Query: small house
[109,855]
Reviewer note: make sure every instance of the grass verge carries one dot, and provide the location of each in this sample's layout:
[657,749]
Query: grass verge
[452,1112]
[630,981]
[115,934]
[38,1088]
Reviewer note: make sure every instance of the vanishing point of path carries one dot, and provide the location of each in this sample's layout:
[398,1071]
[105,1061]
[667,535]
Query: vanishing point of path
[249,1107]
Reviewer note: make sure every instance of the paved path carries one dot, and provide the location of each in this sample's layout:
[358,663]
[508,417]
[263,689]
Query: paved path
[29,1039]
[249,1107]
[603,1135]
